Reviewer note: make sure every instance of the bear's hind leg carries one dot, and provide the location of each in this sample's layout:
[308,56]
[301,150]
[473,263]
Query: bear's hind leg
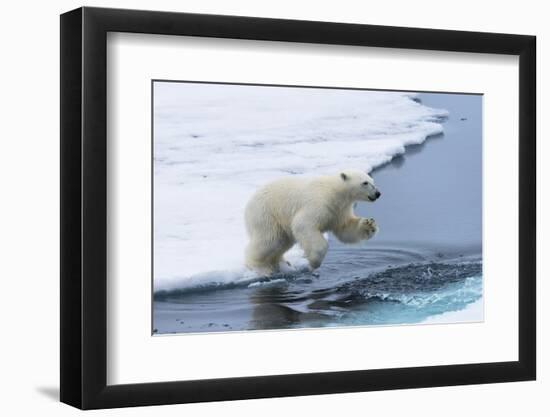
[264,254]
[258,256]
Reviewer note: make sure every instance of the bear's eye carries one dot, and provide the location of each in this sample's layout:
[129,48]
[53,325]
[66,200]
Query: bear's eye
[366,183]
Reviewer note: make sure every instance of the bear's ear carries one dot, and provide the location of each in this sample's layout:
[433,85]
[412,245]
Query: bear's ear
[343,176]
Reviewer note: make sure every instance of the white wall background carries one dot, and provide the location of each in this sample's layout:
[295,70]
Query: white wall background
[29,226]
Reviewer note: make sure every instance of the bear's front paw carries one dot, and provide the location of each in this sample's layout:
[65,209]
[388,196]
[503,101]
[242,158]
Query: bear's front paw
[368,228]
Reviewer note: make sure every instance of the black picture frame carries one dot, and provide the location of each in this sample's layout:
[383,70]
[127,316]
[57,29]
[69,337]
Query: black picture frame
[84,207]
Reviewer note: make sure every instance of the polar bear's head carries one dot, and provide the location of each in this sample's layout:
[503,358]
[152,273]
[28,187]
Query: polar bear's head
[360,185]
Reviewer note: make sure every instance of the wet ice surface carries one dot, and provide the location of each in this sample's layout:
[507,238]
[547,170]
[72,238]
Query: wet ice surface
[425,261]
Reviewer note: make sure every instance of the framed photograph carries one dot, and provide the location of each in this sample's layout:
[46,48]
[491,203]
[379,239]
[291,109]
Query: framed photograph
[257,207]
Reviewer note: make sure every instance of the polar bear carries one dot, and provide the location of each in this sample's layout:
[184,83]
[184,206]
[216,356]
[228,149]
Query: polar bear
[298,209]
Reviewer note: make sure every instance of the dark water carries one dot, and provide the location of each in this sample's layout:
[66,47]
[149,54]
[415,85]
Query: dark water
[426,259]
[434,190]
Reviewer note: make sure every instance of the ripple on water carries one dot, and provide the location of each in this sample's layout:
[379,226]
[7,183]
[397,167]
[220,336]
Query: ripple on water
[353,287]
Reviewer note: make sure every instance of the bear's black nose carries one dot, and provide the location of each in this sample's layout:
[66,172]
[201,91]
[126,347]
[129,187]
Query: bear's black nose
[378,194]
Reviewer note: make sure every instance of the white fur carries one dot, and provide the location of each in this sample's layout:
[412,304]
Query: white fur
[300,210]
